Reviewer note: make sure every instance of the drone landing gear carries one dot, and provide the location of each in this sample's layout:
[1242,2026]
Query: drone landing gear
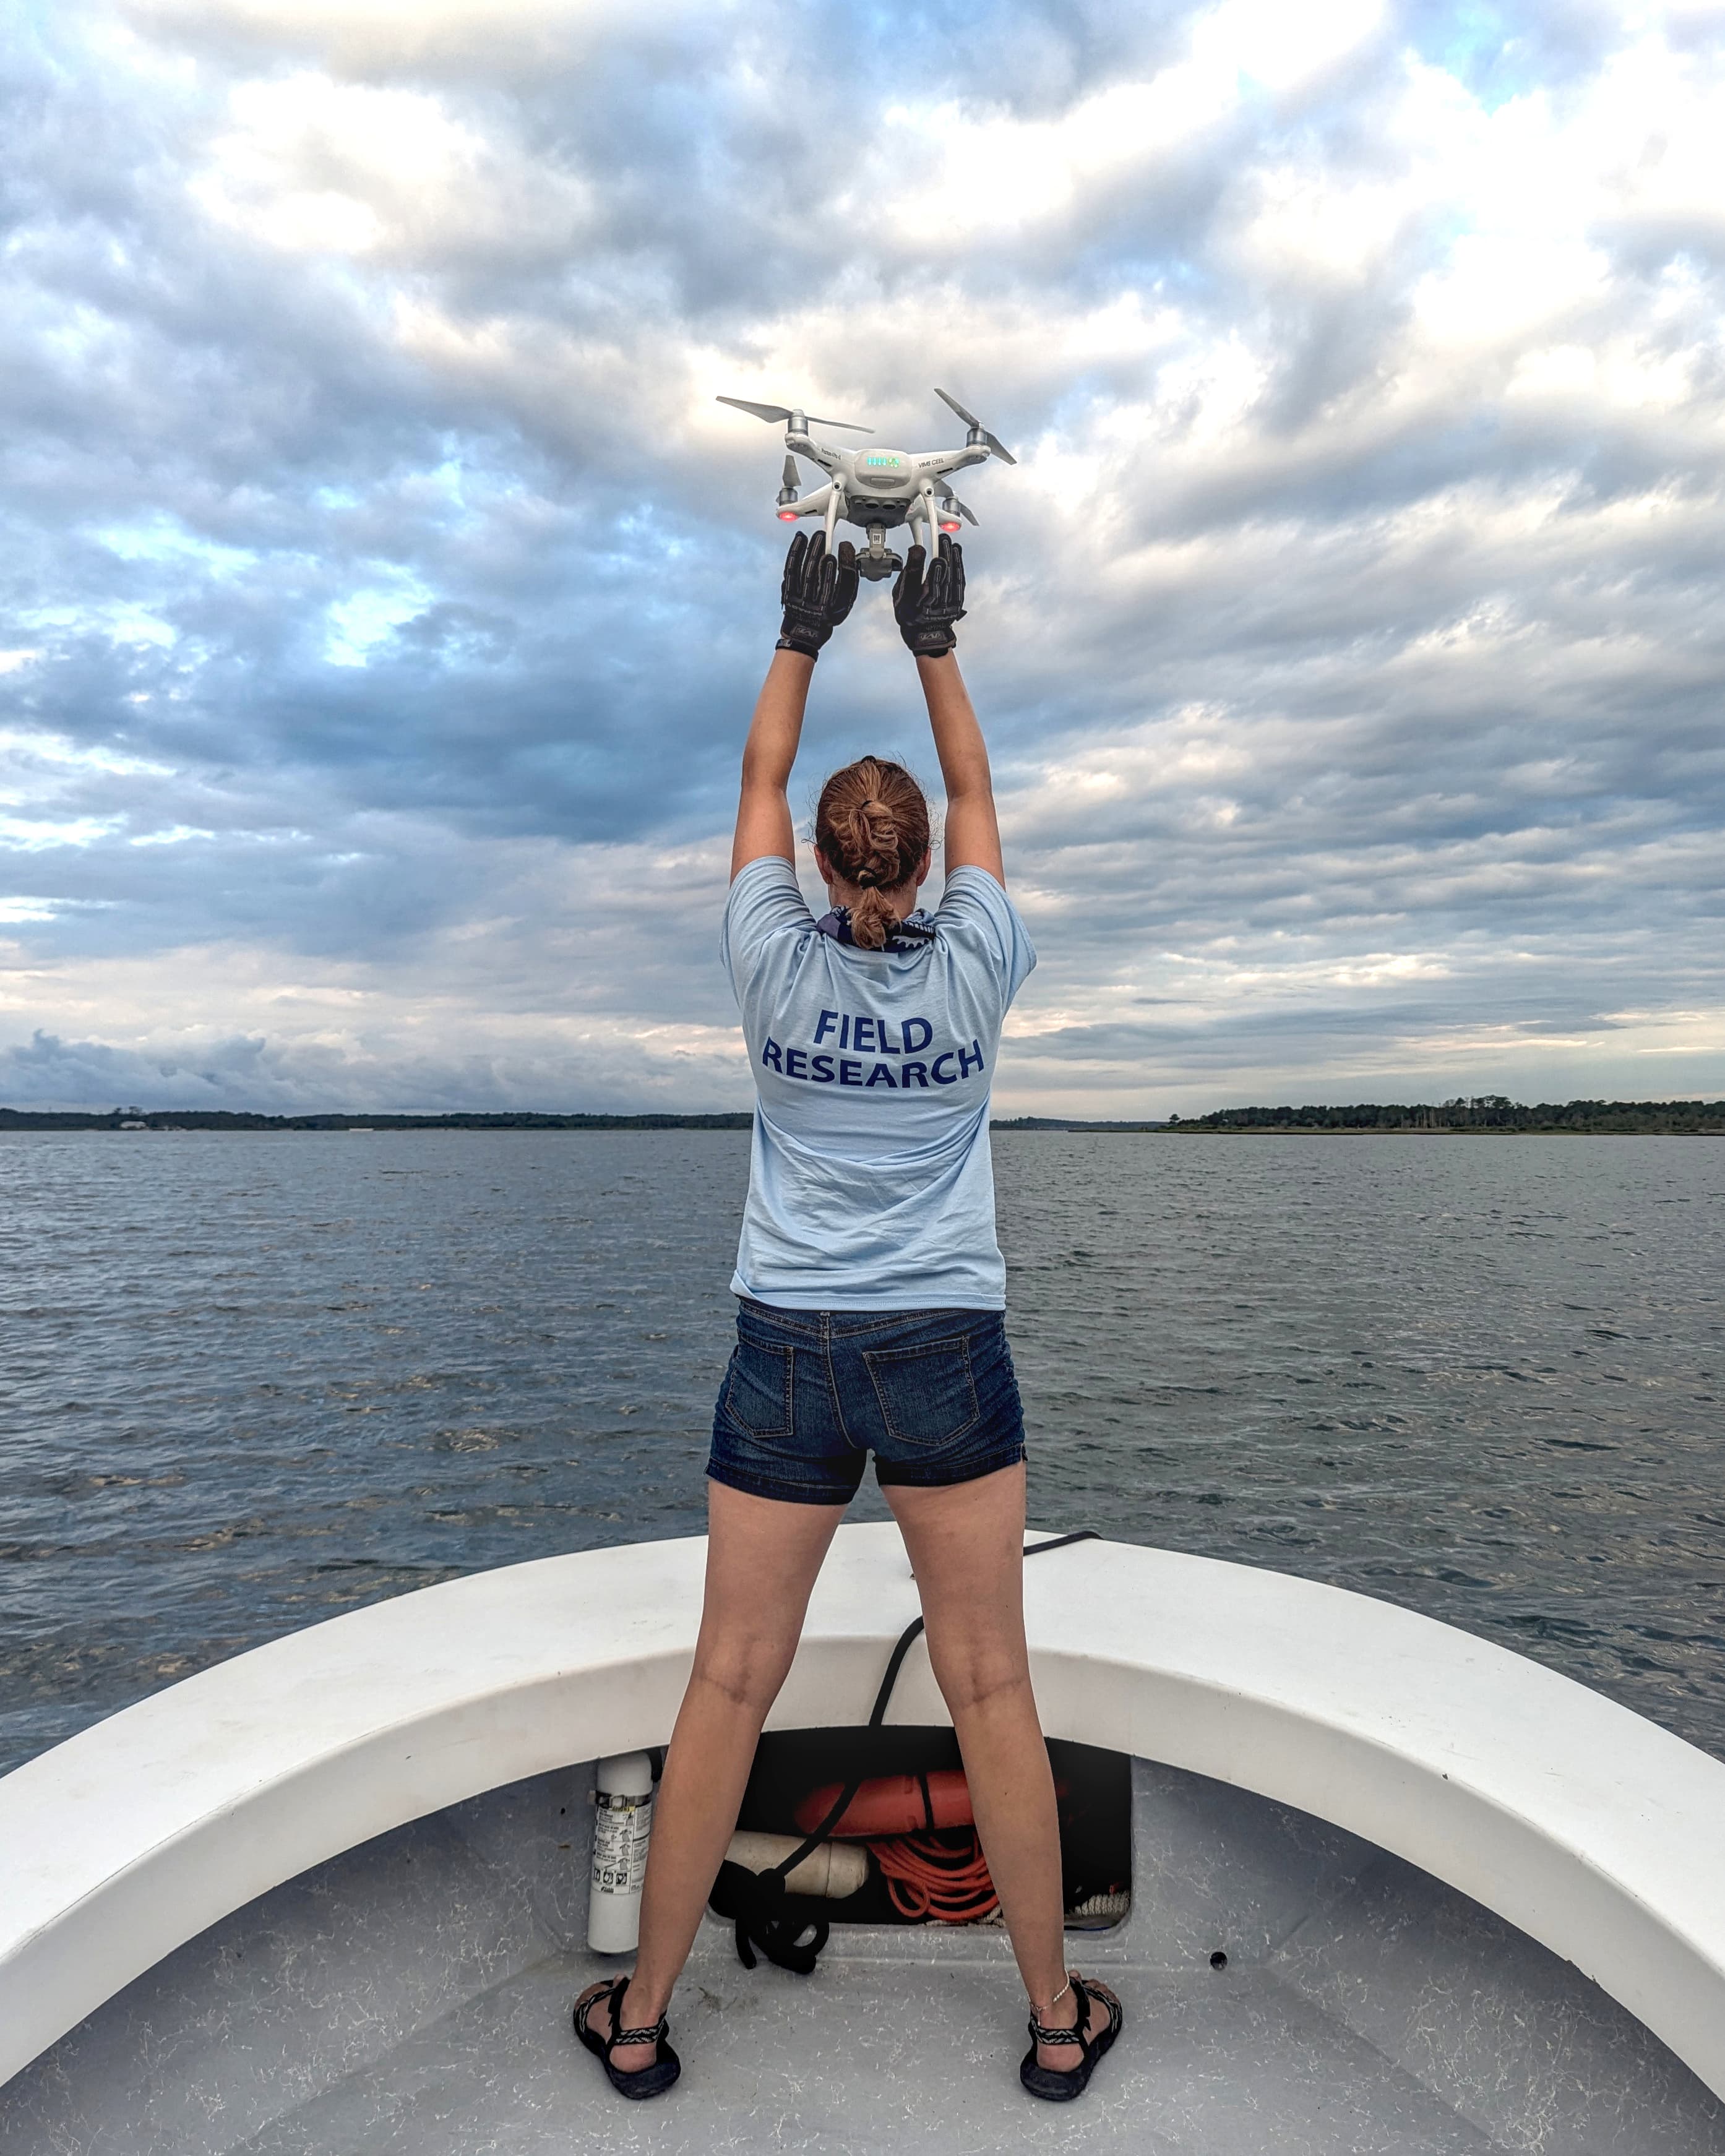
[877,560]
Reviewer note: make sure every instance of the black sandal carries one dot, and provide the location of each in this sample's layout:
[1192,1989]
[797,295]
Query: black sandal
[1060,2087]
[650,2080]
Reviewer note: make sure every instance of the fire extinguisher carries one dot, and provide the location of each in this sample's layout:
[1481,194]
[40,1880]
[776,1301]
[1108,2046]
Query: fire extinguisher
[623,1823]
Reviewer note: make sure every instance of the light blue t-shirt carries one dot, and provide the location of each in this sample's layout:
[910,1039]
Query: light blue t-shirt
[871,1183]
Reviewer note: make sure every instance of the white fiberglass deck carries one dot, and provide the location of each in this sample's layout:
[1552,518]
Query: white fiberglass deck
[411,1997]
[1585,1827]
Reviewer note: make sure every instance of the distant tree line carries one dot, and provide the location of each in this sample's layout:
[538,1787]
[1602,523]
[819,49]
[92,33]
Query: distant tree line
[222,1119]
[1482,1111]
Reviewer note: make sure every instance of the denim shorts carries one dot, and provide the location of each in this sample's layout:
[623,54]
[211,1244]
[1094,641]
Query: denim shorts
[810,1393]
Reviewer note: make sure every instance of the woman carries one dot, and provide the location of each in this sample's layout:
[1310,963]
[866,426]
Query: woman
[871,1291]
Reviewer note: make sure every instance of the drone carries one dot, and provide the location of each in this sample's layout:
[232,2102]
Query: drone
[877,488]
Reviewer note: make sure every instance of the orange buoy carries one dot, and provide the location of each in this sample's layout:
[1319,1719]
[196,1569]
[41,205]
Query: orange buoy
[892,1804]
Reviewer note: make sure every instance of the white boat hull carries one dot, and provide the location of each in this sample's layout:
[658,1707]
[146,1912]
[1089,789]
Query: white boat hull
[327,1896]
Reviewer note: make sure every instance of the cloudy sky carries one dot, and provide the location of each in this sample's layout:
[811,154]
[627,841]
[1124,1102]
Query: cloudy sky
[383,594]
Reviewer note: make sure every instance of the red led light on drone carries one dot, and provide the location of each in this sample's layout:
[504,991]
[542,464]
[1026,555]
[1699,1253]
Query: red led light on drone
[787,515]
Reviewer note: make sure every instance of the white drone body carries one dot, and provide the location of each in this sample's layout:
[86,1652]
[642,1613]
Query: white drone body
[877,488]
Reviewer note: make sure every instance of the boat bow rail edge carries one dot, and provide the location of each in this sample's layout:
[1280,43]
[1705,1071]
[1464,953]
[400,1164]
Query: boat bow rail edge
[1594,1830]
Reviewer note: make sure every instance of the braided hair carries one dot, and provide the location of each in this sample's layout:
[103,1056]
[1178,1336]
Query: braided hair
[872,826]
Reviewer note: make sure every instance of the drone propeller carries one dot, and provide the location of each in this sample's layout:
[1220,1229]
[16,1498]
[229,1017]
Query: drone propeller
[776,415]
[945,494]
[787,514]
[978,432]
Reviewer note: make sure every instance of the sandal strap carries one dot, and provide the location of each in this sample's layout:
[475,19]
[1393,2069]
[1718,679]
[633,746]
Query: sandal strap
[656,2035]
[612,1996]
[1054,2035]
[1077,2033]
[607,1997]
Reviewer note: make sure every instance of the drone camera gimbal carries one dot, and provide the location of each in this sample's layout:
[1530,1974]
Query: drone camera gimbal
[877,488]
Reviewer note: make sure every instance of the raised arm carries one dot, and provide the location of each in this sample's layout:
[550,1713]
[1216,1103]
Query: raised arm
[928,598]
[972,836]
[818,592]
[763,813]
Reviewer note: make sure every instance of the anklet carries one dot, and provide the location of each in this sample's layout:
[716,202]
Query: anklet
[1055,2001]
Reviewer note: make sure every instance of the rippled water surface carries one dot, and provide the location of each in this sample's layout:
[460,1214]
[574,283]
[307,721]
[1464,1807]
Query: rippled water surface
[249,1381]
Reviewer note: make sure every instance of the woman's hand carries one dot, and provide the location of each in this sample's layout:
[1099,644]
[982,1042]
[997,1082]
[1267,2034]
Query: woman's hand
[818,590]
[927,604]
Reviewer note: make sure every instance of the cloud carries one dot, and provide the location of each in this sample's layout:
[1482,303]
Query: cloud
[385,593]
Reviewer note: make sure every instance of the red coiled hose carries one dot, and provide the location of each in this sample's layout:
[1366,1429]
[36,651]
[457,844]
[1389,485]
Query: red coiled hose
[942,1875]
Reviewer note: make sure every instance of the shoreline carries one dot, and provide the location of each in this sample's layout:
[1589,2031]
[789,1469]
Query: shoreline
[1454,1119]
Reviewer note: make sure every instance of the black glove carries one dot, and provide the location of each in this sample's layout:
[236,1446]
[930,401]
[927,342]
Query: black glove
[927,605]
[818,590]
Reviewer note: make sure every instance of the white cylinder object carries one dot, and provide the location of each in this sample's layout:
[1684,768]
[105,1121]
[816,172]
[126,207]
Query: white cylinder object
[833,1870]
[623,1821]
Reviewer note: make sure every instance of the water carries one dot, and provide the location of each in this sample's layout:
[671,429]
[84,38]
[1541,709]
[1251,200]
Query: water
[249,1381]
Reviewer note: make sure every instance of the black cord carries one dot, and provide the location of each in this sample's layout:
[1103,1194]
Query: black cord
[913,1631]
[1060,1542]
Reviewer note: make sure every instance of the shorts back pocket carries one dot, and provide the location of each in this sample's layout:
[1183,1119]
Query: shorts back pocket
[758,1391]
[928,1394]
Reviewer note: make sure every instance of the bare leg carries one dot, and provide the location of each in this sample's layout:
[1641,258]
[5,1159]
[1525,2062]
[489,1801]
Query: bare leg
[965,1541]
[762,1558]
